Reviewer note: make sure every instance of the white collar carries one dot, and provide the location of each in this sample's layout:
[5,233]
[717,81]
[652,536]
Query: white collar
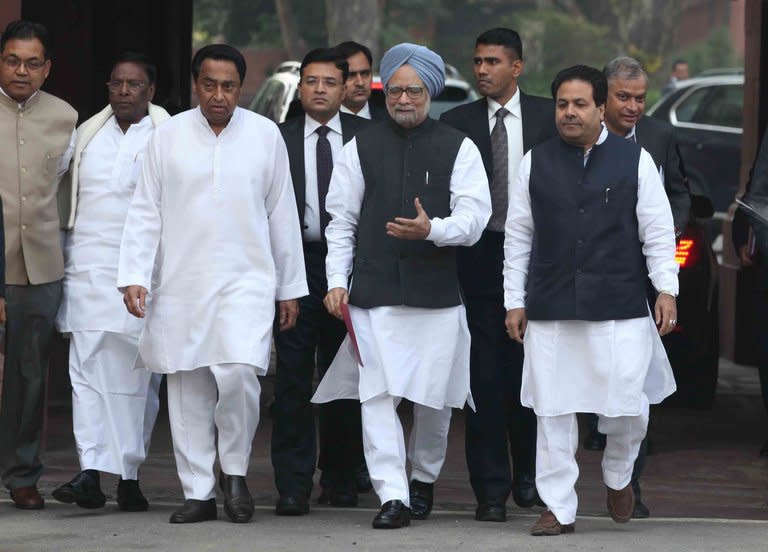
[513,106]
[311,125]
[365,111]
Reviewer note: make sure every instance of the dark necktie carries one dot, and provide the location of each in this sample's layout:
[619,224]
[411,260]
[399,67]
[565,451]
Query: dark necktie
[324,169]
[500,180]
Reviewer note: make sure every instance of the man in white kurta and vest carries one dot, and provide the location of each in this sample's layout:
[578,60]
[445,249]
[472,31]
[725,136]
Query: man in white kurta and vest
[211,242]
[114,401]
[403,196]
[36,141]
[588,223]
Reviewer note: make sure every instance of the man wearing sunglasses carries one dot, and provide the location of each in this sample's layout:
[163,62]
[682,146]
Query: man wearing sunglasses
[404,195]
[36,142]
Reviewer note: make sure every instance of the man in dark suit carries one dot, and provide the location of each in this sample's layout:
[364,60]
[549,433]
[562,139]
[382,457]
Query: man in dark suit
[624,115]
[314,140]
[357,97]
[504,125]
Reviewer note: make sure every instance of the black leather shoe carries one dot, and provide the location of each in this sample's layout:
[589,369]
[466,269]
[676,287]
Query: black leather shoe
[84,490]
[640,511]
[292,506]
[363,480]
[238,503]
[129,496]
[595,441]
[393,515]
[491,512]
[194,511]
[524,491]
[422,495]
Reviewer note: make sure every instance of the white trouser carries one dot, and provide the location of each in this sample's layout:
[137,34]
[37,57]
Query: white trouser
[223,397]
[384,446]
[557,439]
[114,406]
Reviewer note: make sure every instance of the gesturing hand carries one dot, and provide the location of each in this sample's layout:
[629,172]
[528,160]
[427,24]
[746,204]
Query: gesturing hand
[411,229]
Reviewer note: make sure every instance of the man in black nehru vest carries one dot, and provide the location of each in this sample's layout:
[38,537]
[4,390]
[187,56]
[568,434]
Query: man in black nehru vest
[588,224]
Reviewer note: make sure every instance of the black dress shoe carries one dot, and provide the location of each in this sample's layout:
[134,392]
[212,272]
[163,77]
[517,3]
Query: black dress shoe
[84,490]
[524,491]
[489,511]
[393,515]
[194,511]
[238,503]
[363,480]
[422,495]
[129,496]
[292,506]
[640,511]
[595,441]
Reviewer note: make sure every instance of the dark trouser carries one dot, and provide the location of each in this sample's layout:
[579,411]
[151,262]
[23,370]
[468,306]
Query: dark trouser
[501,425]
[759,325]
[312,342]
[30,311]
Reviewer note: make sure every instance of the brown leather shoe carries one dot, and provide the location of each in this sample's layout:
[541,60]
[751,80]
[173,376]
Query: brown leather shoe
[621,503]
[548,526]
[27,498]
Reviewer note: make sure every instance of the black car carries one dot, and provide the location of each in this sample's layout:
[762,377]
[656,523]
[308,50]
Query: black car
[706,113]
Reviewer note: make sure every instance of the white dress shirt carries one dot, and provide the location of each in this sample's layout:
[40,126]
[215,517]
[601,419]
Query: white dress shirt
[312,207]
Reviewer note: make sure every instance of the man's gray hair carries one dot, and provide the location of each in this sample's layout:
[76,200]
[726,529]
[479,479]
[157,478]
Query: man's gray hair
[624,68]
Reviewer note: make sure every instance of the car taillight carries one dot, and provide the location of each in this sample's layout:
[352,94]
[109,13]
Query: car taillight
[685,252]
[377,86]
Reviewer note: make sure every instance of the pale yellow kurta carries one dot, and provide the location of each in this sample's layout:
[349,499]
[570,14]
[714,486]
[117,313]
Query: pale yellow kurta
[215,217]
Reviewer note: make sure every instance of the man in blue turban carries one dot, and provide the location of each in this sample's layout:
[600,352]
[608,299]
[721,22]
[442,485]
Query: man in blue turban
[404,195]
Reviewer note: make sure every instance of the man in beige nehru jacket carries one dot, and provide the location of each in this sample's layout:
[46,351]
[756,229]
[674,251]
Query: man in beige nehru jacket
[36,142]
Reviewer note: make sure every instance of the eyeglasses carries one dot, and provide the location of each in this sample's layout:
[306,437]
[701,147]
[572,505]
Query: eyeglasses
[33,64]
[314,81]
[133,85]
[414,92]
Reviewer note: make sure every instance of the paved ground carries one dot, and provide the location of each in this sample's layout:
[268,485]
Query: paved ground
[705,485]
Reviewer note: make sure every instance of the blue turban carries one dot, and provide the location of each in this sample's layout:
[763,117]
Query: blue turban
[427,64]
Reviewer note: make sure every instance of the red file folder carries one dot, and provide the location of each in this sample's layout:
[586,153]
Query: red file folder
[351,332]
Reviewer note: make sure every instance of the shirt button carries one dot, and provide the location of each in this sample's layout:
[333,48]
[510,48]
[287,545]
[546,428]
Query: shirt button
[581,210]
[23,226]
[21,142]
[23,198]
[24,170]
[578,271]
[580,242]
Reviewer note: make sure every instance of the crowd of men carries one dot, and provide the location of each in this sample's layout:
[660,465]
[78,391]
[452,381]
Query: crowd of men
[515,257]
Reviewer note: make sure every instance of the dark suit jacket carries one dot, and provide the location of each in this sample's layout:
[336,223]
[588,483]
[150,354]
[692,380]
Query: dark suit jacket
[658,139]
[293,134]
[472,119]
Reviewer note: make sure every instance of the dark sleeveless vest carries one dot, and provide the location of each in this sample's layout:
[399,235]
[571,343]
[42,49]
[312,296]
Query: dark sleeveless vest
[399,165]
[586,258]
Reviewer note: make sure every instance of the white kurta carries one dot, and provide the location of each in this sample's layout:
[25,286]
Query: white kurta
[601,367]
[109,169]
[415,353]
[215,217]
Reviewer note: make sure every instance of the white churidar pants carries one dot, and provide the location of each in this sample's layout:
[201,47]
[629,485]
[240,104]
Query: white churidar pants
[114,404]
[556,468]
[223,397]
[384,446]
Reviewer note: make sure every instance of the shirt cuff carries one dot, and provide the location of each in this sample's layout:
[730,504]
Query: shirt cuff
[131,280]
[337,281]
[436,230]
[291,291]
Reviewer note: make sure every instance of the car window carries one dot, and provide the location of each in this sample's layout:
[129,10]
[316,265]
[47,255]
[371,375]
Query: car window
[269,100]
[713,105]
